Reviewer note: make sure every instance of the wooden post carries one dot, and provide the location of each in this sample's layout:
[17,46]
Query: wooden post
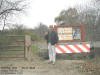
[82,33]
[28,47]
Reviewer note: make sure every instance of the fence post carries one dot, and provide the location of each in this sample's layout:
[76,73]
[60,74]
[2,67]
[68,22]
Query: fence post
[28,47]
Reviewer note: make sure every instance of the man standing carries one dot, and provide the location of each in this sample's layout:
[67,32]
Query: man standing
[52,39]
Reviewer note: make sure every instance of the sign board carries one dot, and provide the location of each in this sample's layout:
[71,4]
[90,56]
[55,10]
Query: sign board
[70,33]
[65,33]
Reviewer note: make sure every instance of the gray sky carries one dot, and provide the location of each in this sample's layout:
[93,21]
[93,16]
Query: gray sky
[45,11]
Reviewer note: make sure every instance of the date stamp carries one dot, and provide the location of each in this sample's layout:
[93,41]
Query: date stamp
[13,70]
[10,71]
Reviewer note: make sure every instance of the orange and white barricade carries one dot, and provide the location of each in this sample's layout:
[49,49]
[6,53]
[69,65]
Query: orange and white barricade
[75,48]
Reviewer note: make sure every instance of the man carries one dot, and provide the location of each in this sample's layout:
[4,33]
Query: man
[46,37]
[52,40]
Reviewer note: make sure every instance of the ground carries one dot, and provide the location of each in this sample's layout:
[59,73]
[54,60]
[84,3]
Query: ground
[39,66]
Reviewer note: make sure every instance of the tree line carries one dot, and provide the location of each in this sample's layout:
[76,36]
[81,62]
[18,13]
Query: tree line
[88,15]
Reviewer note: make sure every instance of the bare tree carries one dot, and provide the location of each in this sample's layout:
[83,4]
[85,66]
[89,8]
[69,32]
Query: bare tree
[10,7]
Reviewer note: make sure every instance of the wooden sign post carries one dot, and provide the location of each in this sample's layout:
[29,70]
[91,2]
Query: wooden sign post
[28,47]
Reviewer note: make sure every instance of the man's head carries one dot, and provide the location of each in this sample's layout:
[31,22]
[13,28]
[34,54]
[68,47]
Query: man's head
[50,28]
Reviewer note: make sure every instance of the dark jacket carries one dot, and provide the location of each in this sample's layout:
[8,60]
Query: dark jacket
[52,37]
[46,38]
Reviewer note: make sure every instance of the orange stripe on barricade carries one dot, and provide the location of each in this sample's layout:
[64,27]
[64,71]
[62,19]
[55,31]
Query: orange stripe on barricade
[85,46]
[56,52]
[70,49]
[60,49]
[78,48]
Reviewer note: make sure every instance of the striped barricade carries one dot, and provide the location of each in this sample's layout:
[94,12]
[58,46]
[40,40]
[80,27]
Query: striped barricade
[76,48]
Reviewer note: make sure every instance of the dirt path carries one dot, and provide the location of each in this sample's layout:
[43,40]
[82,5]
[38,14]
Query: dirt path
[39,67]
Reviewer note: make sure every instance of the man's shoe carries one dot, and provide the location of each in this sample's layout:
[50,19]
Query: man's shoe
[53,63]
[49,62]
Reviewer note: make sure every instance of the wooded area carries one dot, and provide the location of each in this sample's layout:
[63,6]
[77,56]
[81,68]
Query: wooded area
[88,15]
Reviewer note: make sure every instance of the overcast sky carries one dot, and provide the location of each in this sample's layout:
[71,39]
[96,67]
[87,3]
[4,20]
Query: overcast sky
[45,11]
